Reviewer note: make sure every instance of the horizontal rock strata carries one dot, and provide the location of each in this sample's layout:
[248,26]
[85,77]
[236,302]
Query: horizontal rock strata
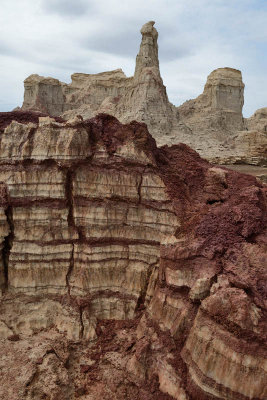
[126,270]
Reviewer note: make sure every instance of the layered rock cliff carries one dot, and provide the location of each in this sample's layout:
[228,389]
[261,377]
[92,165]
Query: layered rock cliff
[127,271]
[212,124]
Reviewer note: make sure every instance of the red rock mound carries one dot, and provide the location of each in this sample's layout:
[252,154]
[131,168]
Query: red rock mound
[23,117]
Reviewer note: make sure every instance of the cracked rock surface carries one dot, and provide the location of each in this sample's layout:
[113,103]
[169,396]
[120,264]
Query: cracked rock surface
[127,271]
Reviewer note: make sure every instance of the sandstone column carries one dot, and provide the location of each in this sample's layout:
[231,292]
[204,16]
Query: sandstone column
[148,53]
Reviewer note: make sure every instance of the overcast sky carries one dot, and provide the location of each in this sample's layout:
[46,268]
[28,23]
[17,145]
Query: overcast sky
[59,37]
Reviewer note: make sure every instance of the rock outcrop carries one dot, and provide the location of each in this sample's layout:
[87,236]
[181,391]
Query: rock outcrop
[127,271]
[212,124]
[43,94]
[258,121]
[216,122]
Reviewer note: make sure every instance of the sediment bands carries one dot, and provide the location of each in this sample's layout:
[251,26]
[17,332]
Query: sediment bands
[127,271]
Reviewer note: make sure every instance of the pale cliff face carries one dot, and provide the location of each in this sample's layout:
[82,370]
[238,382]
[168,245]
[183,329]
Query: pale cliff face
[126,270]
[43,94]
[212,123]
[226,89]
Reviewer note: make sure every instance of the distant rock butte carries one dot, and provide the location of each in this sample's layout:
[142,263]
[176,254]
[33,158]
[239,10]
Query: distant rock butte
[127,271]
[212,124]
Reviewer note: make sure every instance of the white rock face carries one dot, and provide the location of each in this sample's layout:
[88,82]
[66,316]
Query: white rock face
[212,123]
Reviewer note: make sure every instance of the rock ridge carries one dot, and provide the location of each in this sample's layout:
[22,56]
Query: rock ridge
[212,123]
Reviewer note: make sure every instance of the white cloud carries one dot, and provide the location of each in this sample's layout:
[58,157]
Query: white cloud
[59,37]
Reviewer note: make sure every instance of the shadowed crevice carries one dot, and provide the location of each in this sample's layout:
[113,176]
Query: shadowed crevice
[7,244]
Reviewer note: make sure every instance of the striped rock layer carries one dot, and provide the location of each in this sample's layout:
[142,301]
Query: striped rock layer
[122,262]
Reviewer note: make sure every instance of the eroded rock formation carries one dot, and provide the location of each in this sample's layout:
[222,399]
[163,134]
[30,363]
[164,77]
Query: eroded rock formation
[127,271]
[212,124]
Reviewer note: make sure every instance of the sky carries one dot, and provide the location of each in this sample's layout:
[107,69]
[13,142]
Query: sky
[59,37]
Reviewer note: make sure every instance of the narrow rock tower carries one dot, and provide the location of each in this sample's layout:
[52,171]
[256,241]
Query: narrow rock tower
[148,53]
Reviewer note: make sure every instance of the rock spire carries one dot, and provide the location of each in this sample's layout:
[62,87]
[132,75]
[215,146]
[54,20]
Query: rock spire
[212,124]
[148,53]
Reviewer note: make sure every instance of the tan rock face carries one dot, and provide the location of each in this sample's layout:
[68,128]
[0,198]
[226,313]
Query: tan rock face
[217,112]
[226,89]
[126,270]
[212,123]
[43,94]
[258,121]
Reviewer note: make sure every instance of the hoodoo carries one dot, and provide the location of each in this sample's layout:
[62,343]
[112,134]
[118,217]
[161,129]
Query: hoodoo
[148,53]
[212,124]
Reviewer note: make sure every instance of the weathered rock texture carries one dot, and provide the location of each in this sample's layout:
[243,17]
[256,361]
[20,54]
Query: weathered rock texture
[127,271]
[212,124]
[258,121]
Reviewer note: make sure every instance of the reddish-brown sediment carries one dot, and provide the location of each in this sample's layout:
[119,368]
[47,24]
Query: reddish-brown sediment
[23,117]
[147,264]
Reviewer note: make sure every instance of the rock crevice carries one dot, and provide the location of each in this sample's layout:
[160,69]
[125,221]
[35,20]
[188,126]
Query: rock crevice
[7,244]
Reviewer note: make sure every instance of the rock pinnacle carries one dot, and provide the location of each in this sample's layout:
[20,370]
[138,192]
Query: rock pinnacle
[148,53]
